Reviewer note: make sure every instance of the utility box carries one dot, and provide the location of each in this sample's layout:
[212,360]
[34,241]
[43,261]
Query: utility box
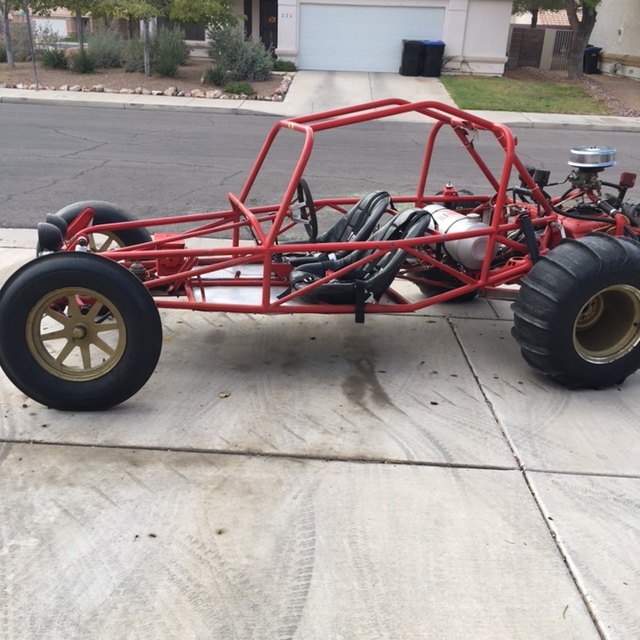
[591,59]
[412,57]
[432,60]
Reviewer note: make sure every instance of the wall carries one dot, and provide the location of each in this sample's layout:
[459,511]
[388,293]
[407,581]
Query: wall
[58,25]
[486,35]
[617,31]
[475,32]
[525,46]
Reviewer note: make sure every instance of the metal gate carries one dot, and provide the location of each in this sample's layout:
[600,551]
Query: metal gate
[560,58]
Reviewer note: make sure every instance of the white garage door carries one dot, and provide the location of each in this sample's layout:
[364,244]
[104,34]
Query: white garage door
[358,38]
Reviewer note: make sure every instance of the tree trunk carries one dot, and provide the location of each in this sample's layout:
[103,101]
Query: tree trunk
[80,28]
[581,29]
[147,47]
[534,18]
[31,47]
[7,33]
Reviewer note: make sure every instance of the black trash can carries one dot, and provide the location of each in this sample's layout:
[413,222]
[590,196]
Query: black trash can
[412,57]
[433,56]
[591,59]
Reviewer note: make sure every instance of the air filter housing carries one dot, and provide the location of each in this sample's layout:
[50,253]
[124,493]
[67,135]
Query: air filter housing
[593,157]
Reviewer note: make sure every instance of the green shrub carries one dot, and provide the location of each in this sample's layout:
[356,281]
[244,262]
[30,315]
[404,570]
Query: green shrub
[44,39]
[261,61]
[133,56]
[245,59]
[3,52]
[215,75]
[106,46]
[82,62]
[284,65]
[240,88]
[54,59]
[46,44]
[169,51]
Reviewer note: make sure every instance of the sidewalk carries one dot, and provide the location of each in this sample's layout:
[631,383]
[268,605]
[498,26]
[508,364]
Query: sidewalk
[308,477]
[313,91]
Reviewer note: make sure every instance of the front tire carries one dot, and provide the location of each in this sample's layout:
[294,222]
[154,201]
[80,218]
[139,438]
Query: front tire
[78,332]
[577,317]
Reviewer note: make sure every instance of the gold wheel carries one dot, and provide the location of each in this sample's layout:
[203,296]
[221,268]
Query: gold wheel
[76,334]
[608,326]
[99,242]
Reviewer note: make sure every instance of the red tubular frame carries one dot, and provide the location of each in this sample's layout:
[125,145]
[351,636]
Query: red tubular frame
[195,264]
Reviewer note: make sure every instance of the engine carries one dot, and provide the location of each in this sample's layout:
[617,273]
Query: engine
[588,162]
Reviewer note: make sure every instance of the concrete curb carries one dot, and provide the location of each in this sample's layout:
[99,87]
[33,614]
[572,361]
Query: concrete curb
[312,92]
[126,101]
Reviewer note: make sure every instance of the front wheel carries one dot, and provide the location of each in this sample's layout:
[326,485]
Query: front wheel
[78,332]
[577,317]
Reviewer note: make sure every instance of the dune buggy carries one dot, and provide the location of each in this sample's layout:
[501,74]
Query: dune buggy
[80,329]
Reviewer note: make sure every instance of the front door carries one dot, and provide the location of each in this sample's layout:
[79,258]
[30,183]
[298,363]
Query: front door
[269,24]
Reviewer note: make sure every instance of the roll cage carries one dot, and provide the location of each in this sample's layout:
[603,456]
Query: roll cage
[231,274]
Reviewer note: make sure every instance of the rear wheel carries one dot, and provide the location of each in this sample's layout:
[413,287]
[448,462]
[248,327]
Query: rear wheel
[105,213]
[78,332]
[577,317]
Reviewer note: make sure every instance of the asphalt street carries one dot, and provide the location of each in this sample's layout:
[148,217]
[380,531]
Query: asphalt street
[170,162]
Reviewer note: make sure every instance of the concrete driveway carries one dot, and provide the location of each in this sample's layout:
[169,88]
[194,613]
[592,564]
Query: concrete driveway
[307,477]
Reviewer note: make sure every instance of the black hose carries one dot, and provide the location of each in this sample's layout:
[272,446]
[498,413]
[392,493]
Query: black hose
[578,216]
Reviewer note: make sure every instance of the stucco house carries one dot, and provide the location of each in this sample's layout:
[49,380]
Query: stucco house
[616,31]
[367,35]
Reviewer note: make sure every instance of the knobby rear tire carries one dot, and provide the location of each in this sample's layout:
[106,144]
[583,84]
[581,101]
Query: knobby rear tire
[577,316]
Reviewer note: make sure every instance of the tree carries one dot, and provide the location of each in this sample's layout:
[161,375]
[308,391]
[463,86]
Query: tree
[218,12]
[582,18]
[535,6]
[77,7]
[32,51]
[6,6]
[189,11]
[80,8]
[208,11]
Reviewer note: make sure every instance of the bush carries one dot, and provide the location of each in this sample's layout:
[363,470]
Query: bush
[245,59]
[3,52]
[240,88]
[284,65]
[133,56]
[54,59]
[169,51]
[44,39]
[106,46]
[46,42]
[215,75]
[82,62]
